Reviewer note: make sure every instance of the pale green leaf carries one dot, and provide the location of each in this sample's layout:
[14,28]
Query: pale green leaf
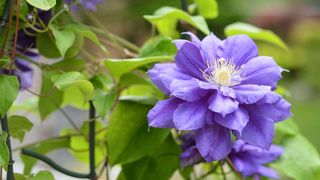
[103,101]
[158,46]
[64,38]
[166,19]
[118,67]
[42,4]
[19,126]
[9,86]
[207,8]
[43,175]
[255,33]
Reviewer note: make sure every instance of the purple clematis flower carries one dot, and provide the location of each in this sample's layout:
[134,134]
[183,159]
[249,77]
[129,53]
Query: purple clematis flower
[249,160]
[88,4]
[217,87]
[190,154]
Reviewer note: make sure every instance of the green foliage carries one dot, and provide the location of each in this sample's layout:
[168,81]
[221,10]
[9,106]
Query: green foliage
[46,45]
[43,175]
[129,137]
[64,38]
[166,19]
[158,46]
[10,86]
[255,33]
[300,159]
[42,4]
[19,126]
[4,151]
[51,97]
[118,67]
[84,31]
[103,101]
[160,164]
[207,8]
[43,148]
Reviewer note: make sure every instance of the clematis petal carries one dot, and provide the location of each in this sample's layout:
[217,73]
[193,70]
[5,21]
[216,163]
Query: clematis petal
[270,98]
[235,121]
[190,61]
[249,94]
[268,172]
[261,70]
[212,46]
[263,156]
[213,142]
[222,104]
[190,115]
[277,112]
[259,131]
[240,49]
[187,90]
[190,157]
[163,74]
[161,115]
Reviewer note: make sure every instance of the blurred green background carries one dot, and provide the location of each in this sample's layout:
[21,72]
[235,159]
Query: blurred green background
[296,22]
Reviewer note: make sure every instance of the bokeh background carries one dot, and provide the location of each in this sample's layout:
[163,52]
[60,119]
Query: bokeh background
[297,22]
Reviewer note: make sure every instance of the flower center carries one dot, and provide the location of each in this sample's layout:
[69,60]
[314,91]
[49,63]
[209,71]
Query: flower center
[222,73]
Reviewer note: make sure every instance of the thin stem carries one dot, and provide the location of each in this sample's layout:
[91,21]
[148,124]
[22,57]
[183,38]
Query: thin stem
[5,128]
[210,171]
[92,122]
[53,164]
[13,55]
[233,168]
[73,124]
[184,5]
[222,172]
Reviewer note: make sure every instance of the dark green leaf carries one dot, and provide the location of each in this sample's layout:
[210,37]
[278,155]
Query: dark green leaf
[46,45]
[73,64]
[166,19]
[10,86]
[19,126]
[43,148]
[118,67]
[255,33]
[158,46]
[159,165]
[300,160]
[207,8]
[42,4]
[51,98]
[4,151]
[129,137]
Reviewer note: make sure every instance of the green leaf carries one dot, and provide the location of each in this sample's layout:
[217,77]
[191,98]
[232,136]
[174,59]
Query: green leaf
[255,33]
[117,67]
[18,176]
[46,45]
[42,4]
[51,98]
[10,86]
[207,8]
[19,125]
[160,164]
[72,64]
[64,38]
[166,19]
[300,160]
[43,148]
[74,79]
[43,175]
[4,151]
[103,101]
[129,137]
[288,127]
[84,31]
[130,79]
[158,46]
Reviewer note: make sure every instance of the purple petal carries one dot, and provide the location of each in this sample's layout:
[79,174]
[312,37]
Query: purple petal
[242,165]
[161,115]
[268,172]
[270,98]
[190,115]
[190,61]
[190,157]
[259,131]
[213,142]
[277,112]
[249,94]
[194,38]
[212,46]
[222,104]
[235,121]
[187,90]
[240,49]
[163,74]
[263,156]
[261,70]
